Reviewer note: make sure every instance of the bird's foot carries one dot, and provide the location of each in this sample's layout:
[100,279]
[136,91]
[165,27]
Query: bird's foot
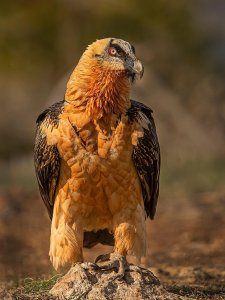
[113,261]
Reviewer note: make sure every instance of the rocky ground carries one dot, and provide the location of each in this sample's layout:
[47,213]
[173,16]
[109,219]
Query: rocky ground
[186,246]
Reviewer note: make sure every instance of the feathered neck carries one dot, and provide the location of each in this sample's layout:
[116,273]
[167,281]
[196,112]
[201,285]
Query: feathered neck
[96,89]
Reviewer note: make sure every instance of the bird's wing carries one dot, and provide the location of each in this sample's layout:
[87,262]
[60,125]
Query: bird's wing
[146,156]
[46,157]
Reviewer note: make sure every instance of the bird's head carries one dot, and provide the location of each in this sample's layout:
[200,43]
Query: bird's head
[117,55]
[102,77]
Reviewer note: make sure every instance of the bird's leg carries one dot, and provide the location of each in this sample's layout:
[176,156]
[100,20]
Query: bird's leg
[65,248]
[124,239]
[66,239]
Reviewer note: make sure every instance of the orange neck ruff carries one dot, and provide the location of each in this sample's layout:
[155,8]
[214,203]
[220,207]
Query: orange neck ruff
[97,90]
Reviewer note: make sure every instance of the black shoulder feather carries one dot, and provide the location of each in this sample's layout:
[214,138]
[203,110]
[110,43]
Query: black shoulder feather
[46,157]
[146,156]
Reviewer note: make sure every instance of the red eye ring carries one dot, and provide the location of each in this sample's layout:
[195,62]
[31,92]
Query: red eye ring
[112,51]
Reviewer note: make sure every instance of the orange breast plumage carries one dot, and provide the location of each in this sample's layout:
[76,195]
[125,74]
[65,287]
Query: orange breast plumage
[97,158]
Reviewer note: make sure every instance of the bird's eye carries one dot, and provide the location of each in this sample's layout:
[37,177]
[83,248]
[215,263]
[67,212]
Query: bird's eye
[112,51]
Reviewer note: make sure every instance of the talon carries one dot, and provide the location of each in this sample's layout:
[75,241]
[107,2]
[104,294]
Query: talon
[102,257]
[115,261]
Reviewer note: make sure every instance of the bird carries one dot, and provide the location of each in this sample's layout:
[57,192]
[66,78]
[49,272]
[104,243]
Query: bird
[97,158]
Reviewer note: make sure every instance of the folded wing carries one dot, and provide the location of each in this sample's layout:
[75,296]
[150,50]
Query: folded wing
[146,156]
[46,157]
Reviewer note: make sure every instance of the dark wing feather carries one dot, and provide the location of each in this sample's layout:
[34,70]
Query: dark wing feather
[46,157]
[146,156]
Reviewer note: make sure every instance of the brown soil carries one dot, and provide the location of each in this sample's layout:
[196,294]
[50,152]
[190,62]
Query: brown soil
[186,243]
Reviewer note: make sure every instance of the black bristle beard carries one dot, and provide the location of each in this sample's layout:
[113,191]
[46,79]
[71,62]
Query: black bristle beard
[132,76]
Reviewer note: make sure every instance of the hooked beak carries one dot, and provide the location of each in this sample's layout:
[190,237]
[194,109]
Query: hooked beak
[138,68]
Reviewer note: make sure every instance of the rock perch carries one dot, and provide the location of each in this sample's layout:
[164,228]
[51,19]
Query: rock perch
[92,281]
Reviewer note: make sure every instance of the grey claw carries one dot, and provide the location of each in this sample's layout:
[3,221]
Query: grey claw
[102,257]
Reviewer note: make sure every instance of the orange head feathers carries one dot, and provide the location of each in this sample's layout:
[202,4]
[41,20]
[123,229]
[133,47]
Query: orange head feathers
[100,83]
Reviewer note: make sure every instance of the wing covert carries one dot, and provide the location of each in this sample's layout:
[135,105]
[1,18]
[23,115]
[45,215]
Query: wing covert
[146,156]
[46,157]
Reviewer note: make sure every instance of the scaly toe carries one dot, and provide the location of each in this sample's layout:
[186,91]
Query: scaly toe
[114,261]
[102,258]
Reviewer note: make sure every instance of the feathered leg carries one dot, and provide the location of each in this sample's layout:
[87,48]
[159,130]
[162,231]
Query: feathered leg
[124,239]
[130,238]
[66,240]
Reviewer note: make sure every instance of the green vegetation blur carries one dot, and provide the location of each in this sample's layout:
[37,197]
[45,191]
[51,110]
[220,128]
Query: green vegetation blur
[182,46]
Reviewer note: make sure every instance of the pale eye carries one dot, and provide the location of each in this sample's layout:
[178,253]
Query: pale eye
[112,51]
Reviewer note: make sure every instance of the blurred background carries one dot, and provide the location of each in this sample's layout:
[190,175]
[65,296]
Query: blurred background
[182,46]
